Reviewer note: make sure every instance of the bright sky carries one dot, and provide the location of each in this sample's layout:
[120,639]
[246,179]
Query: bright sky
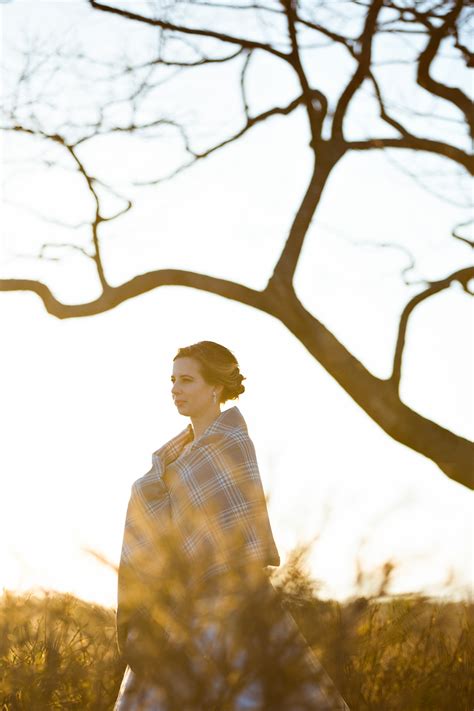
[86,401]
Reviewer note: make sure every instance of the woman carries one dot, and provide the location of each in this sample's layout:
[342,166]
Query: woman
[198,621]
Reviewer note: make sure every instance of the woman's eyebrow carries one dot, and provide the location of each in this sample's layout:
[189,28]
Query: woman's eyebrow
[182,375]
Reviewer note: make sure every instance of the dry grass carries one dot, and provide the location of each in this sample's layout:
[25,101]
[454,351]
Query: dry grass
[56,652]
[384,653]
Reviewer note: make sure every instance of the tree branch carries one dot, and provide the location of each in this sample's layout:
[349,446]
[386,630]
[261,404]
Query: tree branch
[91,181]
[245,43]
[328,153]
[424,78]
[243,92]
[250,123]
[348,42]
[141,284]
[412,142]
[463,276]
[316,114]
[378,398]
[186,65]
[456,234]
[364,60]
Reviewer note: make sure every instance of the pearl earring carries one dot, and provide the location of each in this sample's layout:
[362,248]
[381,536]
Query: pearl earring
[214,396]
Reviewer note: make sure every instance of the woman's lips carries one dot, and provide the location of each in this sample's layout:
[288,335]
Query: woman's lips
[179,402]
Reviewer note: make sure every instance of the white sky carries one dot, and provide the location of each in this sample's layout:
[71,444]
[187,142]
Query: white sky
[86,401]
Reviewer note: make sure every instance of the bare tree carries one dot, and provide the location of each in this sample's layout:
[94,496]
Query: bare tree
[193,34]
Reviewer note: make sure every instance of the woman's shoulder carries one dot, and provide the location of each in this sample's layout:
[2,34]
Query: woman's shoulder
[230,449]
[230,425]
[224,437]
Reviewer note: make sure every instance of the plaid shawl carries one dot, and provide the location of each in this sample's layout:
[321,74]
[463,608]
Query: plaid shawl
[209,502]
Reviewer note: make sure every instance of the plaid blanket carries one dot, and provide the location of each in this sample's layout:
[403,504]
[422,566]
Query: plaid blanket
[203,504]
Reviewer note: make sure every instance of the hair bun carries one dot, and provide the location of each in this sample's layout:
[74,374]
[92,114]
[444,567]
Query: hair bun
[234,385]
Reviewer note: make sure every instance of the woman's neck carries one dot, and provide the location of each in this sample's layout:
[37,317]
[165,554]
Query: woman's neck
[202,422]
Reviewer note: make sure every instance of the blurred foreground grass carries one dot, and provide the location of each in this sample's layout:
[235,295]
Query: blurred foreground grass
[405,653]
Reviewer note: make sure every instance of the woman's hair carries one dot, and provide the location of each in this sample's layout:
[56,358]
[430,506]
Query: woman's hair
[218,367]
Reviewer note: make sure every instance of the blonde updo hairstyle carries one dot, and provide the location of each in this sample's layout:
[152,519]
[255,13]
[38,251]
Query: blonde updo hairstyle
[218,366]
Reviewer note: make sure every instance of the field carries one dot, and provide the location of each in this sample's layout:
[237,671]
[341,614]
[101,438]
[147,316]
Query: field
[405,653]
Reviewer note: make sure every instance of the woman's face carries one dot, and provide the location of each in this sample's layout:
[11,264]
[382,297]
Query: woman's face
[191,394]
